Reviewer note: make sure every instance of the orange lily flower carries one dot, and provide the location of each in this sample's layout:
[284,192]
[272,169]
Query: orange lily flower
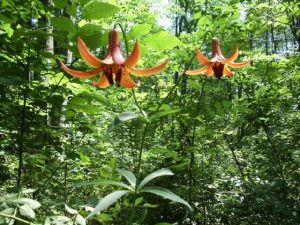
[114,67]
[218,64]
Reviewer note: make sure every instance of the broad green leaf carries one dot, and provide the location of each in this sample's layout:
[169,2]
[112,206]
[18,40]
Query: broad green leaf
[162,41]
[31,203]
[63,23]
[139,30]
[26,211]
[121,118]
[60,3]
[163,224]
[165,193]
[107,201]
[129,176]
[97,10]
[7,28]
[102,182]
[155,174]
[91,109]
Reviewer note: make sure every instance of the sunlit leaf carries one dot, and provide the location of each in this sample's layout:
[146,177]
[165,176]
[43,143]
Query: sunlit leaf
[107,201]
[155,174]
[97,10]
[165,193]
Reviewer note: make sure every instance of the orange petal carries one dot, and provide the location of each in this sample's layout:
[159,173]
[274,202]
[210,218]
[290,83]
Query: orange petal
[227,71]
[103,82]
[238,65]
[149,71]
[209,71]
[233,57]
[125,80]
[198,71]
[81,74]
[134,56]
[201,57]
[87,55]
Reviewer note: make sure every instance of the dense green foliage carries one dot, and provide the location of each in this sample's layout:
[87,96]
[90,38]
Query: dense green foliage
[232,143]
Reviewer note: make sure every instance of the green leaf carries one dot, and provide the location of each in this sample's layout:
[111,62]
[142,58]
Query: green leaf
[97,10]
[91,109]
[102,182]
[31,203]
[121,118]
[164,113]
[63,23]
[26,211]
[139,30]
[107,201]
[138,201]
[162,41]
[194,85]
[129,176]
[70,210]
[155,174]
[60,3]
[80,220]
[165,193]
[58,220]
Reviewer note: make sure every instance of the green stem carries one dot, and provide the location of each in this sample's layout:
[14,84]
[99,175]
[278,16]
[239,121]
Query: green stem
[138,170]
[16,218]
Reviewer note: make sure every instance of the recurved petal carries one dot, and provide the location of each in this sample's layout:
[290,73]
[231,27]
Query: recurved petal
[233,57]
[126,81]
[134,56]
[227,72]
[198,71]
[81,74]
[149,71]
[103,82]
[87,55]
[238,65]
[201,57]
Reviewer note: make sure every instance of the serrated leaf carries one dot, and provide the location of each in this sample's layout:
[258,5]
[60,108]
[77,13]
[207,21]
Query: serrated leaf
[97,10]
[162,41]
[26,211]
[107,201]
[155,174]
[129,176]
[165,193]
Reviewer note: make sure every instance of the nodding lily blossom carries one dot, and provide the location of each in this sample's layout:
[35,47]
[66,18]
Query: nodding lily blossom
[114,67]
[218,64]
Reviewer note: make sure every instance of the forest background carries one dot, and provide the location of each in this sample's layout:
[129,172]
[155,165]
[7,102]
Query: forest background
[231,143]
